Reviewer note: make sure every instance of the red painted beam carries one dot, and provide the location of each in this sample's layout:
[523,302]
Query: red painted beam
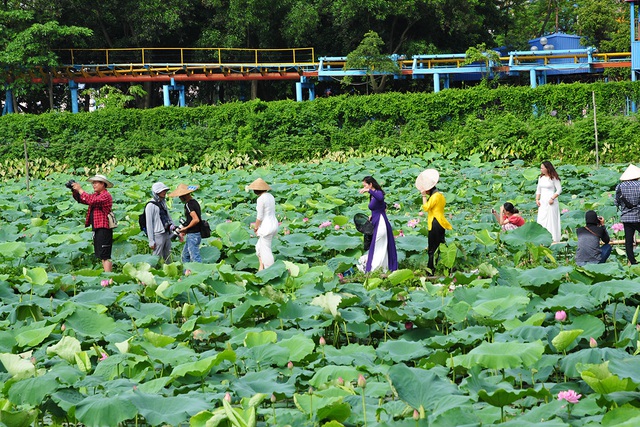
[176,77]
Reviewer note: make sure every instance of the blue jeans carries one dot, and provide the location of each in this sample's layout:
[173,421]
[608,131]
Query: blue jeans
[605,251]
[191,251]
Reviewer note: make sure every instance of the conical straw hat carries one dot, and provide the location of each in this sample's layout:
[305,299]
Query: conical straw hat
[182,190]
[259,184]
[427,179]
[632,172]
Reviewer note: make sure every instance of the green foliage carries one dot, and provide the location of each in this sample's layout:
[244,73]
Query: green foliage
[496,124]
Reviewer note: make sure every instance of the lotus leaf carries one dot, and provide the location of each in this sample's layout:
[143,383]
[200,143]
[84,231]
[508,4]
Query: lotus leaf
[13,250]
[158,409]
[627,416]
[615,288]
[265,381]
[100,410]
[502,355]
[66,348]
[565,338]
[401,350]
[330,373]
[32,391]
[420,388]
[601,380]
[17,366]
[33,334]
[299,347]
[530,232]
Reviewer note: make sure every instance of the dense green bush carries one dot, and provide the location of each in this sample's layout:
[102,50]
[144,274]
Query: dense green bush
[551,121]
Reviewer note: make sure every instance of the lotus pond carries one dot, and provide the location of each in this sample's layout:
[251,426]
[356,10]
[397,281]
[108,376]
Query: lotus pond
[510,332]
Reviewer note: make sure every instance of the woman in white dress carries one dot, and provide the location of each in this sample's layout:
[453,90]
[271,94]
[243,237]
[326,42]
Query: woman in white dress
[266,225]
[547,194]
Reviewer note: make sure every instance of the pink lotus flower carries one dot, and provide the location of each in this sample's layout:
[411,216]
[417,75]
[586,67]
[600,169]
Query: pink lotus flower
[337,227]
[413,223]
[340,381]
[593,343]
[420,213]
[290,364]
[286,232]
[617,227]
[561,316]
[570,396]
[565,210]
[396,205]
[305,219]
[325,224]
[322,341]
[400,233]
[187,272]
[104,357]
[104,283]
[227,397]
[416,415]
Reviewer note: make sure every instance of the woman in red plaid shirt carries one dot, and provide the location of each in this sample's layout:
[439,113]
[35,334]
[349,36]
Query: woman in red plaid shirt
[100,203]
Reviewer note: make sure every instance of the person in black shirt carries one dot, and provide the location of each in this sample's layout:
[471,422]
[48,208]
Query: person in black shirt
[191,227]
[589,250]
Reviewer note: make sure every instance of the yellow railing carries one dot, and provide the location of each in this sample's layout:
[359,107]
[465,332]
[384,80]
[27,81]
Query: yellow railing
[188,56]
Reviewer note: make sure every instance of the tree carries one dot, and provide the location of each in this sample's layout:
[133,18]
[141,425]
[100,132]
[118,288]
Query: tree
[368,57]
[480,53]
[28,45]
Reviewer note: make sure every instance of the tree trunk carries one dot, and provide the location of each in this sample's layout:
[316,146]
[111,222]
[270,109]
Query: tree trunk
[254,89]
[50,88]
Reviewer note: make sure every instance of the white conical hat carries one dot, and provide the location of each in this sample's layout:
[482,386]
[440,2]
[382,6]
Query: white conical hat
[427,179]
[632,172]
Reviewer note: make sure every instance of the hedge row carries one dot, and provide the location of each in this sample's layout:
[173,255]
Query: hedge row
[551,121]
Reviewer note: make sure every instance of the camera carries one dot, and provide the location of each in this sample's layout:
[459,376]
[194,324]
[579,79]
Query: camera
[175,234]
[69,184]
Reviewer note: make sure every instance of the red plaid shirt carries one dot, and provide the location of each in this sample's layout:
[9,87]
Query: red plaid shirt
[100,204]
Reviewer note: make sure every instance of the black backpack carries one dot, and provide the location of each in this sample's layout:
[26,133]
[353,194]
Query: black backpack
[164,217]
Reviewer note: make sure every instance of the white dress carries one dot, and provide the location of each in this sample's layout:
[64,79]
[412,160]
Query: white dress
[266,212]
[549,215]
[380,253]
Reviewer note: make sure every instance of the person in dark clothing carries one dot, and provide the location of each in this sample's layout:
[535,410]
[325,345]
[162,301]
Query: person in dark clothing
[628,201]
[589,250]
[190,231]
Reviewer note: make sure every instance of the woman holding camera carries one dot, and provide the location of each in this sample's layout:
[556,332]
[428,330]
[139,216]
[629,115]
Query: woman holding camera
[589,250]
[190,229]
[509,218]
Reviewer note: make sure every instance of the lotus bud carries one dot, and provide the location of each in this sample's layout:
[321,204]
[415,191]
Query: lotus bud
[290,365]
[340,381]
[416,415]
[593,343]
[310,390]
[408,325]
[362,382]
[322,341]
[227,397]
[187,272]
[273,398]
[63,327]
[561,316]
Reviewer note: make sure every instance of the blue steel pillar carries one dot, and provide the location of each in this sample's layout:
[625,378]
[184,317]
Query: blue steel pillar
[304,83]
[73,88]
[436,82]
[166,89]
[8,101]
[533,78]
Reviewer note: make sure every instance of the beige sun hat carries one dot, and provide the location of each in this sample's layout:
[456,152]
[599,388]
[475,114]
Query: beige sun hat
[101,178]
[632,172]
[427,180]
[183,189]
[259,184]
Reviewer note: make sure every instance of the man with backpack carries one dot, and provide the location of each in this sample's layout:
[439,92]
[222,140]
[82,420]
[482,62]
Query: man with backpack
[191,226]
[628,201]
[159,226]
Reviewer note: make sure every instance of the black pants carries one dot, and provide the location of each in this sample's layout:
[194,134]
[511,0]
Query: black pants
[630,229]
[436,236]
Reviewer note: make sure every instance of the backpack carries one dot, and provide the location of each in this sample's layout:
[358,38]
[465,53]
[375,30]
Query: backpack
[164,217]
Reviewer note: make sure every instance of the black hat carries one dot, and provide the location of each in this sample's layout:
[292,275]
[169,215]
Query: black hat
[363,224]
[591,217]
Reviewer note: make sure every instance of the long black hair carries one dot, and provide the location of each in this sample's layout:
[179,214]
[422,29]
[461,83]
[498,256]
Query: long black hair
[508,207]
[371,180]
[551,171]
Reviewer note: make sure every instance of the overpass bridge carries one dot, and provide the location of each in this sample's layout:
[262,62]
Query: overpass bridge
[175,66]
